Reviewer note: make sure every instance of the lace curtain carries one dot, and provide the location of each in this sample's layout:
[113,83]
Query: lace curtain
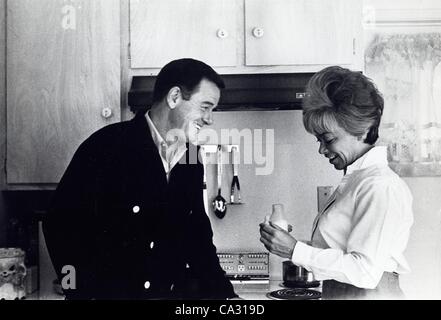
[407,70]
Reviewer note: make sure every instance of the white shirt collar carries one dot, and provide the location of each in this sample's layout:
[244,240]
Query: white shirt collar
[375,156]
[157,138]
[170,154]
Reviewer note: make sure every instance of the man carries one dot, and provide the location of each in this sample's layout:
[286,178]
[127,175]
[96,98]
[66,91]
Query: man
[128,213]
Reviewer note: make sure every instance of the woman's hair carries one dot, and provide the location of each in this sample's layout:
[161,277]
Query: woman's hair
[340,96]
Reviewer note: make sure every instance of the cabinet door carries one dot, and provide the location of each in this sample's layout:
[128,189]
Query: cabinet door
[164,30]
[63,70]
[295,32]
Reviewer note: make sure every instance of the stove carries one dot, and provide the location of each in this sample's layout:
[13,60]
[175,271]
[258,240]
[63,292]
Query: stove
[249,273]
[275,290]
[294,294]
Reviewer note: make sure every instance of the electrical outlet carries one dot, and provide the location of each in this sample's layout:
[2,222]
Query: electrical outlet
[323,193]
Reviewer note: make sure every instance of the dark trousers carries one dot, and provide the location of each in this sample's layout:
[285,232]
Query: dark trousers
[388,288]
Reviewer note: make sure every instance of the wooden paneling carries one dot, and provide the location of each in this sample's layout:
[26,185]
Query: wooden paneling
[126,78]
[164,30]
[301,32]
[2,89]
[63,69]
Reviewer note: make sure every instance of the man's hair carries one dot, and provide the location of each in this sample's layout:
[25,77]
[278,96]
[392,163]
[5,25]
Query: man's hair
[185,74]
[340,96]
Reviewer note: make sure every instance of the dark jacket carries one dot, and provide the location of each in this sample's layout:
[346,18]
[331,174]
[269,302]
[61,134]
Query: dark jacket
[128,232]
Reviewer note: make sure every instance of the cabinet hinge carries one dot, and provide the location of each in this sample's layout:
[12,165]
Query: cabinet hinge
[129,54]
[353,47]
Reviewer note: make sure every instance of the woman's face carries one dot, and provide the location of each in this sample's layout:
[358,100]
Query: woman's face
[340,147]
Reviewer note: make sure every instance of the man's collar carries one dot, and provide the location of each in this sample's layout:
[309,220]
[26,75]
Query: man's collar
[156,136]
[159,141]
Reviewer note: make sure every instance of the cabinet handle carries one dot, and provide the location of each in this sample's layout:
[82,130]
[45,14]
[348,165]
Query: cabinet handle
[106,113]
[258,32]
[222,33]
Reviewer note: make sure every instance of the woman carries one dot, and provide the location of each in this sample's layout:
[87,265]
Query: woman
[358,239]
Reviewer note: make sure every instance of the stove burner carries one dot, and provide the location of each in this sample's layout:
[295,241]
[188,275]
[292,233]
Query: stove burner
[294,294]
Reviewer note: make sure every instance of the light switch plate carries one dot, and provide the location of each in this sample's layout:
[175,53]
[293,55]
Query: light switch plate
[323,193]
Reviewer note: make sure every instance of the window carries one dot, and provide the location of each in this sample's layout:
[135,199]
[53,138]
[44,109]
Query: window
[405,63]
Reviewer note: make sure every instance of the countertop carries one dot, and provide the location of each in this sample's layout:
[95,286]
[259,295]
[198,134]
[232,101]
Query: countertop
[47,296]
[244,290]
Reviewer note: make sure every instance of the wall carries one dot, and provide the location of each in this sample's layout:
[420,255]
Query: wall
[298,170]
[2,116]
[424,248]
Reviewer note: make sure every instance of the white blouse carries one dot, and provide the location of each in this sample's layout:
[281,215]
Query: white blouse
[364,227]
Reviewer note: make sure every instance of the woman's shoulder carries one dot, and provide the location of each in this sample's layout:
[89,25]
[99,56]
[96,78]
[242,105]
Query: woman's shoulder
[379,178]
[383,185]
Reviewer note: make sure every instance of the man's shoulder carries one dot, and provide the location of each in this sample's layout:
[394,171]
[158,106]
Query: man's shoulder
[110,134]
[106,138]
[116,128]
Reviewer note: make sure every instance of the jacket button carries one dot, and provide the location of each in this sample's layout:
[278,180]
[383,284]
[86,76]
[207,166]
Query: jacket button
[136,209]
[147,284]
[152,244]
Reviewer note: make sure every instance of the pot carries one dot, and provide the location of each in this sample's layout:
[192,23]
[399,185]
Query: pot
[297,277]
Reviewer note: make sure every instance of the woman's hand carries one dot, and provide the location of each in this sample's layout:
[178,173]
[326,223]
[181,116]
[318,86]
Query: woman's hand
[277,240]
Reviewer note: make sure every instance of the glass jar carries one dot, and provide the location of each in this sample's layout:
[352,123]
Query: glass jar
[12,274]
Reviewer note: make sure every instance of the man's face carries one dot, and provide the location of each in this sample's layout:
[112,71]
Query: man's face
[191,115]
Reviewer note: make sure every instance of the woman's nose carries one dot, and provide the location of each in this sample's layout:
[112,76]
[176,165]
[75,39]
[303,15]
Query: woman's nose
[322,148]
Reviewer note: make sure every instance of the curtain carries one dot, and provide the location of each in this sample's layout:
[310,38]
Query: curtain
[407,70]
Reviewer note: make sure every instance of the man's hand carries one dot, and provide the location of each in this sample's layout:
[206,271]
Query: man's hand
[277,240]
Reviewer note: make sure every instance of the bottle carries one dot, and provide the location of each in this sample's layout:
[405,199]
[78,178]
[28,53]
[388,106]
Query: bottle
[278,216]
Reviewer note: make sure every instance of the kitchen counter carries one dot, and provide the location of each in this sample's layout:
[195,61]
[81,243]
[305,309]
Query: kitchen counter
[244,290]
[48,296]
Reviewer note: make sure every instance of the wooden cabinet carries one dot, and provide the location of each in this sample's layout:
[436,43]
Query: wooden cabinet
[161,31]
[247,36]
[63,82]
[2,106]
[301,32]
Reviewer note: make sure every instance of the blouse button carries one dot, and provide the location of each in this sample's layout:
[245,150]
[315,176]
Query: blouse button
[147,284]
[136,209]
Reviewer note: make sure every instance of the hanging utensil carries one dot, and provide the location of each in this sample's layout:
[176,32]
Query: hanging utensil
[235,183]
[204,187]
[219,203]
